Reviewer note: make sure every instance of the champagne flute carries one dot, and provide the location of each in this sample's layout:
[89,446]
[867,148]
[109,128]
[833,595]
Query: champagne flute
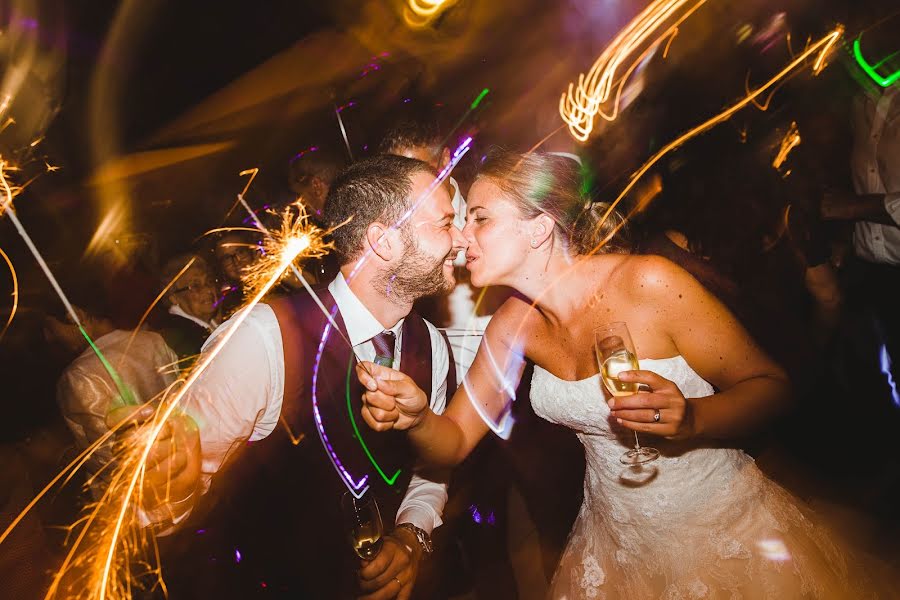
[615,353]
[363,524]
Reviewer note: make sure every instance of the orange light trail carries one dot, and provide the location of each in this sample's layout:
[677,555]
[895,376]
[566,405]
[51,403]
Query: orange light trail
[821,47]
[580,104]
[419,13]
[15,293]
[790,141]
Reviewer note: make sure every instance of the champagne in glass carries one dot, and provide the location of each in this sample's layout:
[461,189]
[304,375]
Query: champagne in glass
[615,353]
[363,524]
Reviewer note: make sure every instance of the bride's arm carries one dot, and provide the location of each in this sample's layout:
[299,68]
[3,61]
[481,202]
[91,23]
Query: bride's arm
[394,402]
[753,387]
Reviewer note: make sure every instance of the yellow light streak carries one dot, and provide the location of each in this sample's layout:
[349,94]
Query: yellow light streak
[790,141]
[593,94]
[15,293]
[821,47]
[419,13]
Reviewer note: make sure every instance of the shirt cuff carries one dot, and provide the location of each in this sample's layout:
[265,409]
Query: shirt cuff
[167,516]
[892,206]
[421,515]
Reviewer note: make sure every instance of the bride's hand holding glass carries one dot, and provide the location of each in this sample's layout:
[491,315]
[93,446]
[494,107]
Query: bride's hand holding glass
[392,400]
[662,411]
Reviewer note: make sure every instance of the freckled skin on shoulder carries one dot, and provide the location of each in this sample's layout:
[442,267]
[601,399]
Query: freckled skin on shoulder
[697,324]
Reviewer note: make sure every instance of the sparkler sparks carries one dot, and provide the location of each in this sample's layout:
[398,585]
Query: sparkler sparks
[113,525]
[295,236]
[107,557]
[600,91]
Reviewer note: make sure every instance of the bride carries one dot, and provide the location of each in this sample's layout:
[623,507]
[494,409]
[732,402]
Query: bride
[701,521]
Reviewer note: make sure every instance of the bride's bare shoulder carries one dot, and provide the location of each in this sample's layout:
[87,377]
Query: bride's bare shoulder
[513,315]
[648,275]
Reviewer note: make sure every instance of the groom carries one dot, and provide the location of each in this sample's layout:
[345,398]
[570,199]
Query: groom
[282,390]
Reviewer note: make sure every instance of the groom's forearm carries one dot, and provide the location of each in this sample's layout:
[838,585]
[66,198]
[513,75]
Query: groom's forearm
[741,410]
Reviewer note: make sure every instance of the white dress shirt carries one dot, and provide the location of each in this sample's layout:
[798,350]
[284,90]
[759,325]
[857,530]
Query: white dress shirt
[238,397]
[875,162]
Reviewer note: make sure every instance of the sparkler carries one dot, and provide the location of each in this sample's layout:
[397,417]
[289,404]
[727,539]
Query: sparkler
[9,192]
[579,105]
[295,232]
[114,520]
[111,524]
[303,237]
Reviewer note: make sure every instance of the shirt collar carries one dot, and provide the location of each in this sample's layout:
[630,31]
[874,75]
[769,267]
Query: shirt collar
[178,311]
[361,324]
[459,205]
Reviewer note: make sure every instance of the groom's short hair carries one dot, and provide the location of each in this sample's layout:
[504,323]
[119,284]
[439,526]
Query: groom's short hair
[373,189]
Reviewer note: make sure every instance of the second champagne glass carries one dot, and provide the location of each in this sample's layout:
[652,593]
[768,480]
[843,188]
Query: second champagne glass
[362,522]
[615,353]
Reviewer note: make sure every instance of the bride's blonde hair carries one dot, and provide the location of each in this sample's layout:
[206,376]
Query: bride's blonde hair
[555,185]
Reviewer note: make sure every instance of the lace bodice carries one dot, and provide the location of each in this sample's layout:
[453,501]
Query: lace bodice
[699,522]
[665,486]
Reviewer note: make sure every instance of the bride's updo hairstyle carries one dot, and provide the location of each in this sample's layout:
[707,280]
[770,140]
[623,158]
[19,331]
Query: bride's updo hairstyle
[539,182]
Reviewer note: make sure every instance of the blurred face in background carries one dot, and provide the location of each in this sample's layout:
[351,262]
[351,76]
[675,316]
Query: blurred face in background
[195,293]
[233,255]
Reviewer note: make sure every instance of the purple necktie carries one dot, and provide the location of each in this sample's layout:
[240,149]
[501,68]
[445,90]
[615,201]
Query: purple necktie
[384,348]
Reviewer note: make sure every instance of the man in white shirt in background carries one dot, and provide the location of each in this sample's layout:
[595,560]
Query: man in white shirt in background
[875,171]
[280,386]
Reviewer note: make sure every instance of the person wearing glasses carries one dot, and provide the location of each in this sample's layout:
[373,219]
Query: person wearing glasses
[193,308]
[234,252]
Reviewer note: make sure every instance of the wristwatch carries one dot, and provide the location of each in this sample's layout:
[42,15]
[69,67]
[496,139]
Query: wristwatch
[421,535]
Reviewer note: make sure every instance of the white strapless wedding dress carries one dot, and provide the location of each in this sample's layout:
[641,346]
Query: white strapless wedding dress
[699,522]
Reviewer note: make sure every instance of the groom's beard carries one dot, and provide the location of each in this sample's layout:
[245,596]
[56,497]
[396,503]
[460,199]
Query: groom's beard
[416,276]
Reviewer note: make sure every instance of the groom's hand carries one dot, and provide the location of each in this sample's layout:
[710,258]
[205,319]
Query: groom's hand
[392,574]
[639,411]
[172,469]
[392,400]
